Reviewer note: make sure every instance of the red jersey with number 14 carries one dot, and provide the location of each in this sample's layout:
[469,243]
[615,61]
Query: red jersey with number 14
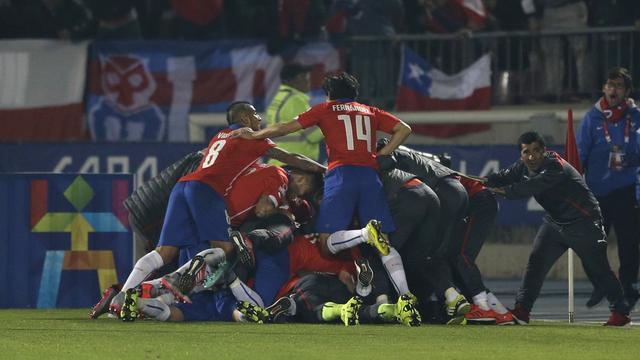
[349,130]
[226,158]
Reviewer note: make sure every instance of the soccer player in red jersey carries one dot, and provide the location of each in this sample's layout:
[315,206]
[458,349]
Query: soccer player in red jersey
[259,191]
[351,183]
[196,215]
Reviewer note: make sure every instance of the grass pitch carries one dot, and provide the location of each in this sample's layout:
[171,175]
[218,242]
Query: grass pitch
[68,334]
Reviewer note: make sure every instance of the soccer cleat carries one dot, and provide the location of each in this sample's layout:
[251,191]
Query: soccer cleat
[167,283]
[477,315]
[458,307]
[330,311]
[243,252]
[406,310]
[596,298]
[376,238]
[116,304]
[520,315]
[129,310]
[505,319]
[387,312]
[187,280]
[252,313]
[349,311]
[458,320]
[365,273]
[105,301]
[216,274]
[618,319]
[279,310]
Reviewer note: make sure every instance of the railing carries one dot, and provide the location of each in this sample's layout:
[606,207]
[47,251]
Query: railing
[548,66]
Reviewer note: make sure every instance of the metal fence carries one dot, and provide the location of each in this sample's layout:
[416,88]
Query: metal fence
[549,66]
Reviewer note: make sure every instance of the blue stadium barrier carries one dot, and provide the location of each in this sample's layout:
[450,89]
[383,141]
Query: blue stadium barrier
[64,238]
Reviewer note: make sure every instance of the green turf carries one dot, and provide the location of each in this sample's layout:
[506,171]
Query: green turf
[64,334]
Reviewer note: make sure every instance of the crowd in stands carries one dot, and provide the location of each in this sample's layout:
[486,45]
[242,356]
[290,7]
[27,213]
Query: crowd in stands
[288,19]
[568,61]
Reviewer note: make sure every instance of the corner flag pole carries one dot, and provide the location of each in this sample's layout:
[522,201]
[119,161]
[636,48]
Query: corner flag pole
[571,155]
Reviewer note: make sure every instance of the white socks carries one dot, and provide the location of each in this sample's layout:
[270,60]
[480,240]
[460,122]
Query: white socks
[142,269]
[451,294]
[154,308]
[362,290]
[393,265]
[244,293]
[495,304]
[346,239]
[481,301]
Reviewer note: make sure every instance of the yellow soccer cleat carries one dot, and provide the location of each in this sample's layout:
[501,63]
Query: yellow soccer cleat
[349,311]
[376,238]
[406,310]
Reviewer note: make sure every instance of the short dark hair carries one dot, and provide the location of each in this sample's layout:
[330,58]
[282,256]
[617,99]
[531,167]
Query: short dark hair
[341,86]
[236,108]
[621,73]
[530,137]
[290,71]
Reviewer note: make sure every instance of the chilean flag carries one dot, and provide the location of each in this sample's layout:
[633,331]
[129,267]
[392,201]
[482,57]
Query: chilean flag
[423,87]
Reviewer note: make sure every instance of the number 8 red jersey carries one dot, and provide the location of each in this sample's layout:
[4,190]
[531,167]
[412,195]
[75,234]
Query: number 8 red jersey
[349,129]
[226,158]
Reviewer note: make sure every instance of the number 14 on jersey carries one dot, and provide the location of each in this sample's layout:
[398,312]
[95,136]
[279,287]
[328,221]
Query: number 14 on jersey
[363,130]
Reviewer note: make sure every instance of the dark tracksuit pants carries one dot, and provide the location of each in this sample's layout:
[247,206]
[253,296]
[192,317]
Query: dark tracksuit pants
[587,238]
[313,290]
[469,239]
[453,207]
[416,212]
[619,211]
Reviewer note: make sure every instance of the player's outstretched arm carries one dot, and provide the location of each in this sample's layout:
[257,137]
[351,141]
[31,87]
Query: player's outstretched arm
[296,160]
[400,133]
[273,131]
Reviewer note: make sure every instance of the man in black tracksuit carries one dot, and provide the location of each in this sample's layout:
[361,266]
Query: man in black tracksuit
[424,220]
[573,220]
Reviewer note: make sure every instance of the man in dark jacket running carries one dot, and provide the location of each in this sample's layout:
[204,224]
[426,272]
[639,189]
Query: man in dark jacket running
[573,220]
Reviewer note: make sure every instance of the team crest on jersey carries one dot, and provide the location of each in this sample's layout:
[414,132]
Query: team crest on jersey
[126,112]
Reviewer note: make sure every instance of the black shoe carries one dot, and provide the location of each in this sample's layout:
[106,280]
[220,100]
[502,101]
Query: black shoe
[103,305]
[279,310]
[187,281]
[243,252]
[596,298]
[365,273]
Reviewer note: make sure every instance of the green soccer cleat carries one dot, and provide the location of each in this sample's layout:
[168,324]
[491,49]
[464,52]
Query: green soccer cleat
[376,237]
[129,310]
[458,307]
[406,310]
[387,313]
[349,311]
[253,313]
[331,311]
[459,320]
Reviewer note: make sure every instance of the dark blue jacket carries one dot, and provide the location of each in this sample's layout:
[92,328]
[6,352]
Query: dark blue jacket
[594,150]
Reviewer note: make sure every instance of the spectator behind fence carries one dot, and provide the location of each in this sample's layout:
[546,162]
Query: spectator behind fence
[290,101]
[117,19]
[198,19]
[371,61]
[508,15]
[615,49]
[610,153]
[561,15]
[52,19]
